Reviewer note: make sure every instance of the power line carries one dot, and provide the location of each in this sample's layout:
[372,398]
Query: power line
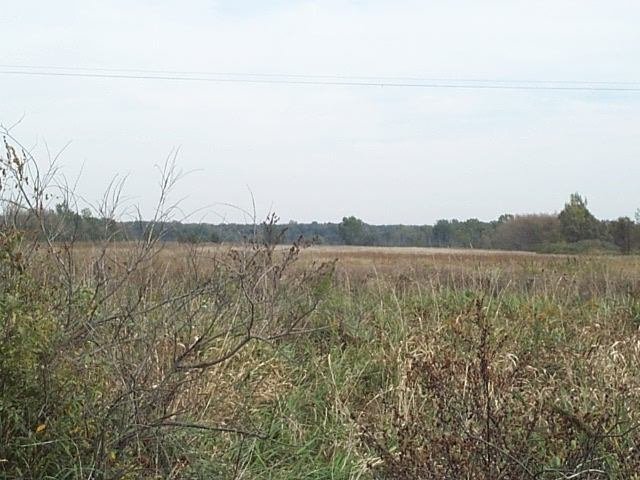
[319,80]
[308,76]
[376,79]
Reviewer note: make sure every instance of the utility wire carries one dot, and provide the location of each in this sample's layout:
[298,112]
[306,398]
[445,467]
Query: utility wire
[318,80]
[313,76]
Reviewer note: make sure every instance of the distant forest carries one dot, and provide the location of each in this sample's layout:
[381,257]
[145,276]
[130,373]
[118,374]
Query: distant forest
[573,230]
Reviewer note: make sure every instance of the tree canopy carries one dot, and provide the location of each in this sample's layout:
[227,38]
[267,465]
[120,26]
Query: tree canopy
[575,228]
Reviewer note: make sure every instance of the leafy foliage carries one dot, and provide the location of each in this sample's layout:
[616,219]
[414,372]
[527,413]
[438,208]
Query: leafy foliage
[577,222]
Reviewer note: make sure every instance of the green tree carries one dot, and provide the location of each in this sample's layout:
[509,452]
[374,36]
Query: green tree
[505,217]
[577,222]
[354,231]
[471,233]
[621,231]
[442,232]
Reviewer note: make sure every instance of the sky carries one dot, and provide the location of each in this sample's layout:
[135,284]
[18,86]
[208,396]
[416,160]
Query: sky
[320,152]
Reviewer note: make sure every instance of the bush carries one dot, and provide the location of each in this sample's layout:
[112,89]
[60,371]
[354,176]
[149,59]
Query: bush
[106,351]
[475,405]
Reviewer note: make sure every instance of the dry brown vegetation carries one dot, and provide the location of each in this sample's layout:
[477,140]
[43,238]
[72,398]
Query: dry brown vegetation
[155,360]
[414,364]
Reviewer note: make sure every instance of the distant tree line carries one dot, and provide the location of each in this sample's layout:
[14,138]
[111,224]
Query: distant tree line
[575,229]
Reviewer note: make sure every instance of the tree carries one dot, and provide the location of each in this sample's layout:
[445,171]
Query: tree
[527,232]
[577,222]
[442,231]
[471,233]
[354,231]
[505,217]
[621,232]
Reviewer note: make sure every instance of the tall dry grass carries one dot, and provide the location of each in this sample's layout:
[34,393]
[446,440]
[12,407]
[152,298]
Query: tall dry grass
[145,359]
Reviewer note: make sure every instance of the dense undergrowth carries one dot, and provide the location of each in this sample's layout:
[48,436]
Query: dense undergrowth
[479,375]
[154,360]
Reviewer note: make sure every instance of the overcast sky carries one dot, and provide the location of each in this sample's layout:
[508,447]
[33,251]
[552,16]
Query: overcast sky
[309,152]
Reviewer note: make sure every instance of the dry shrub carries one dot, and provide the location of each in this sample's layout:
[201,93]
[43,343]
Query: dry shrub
[107,351]
[473,404]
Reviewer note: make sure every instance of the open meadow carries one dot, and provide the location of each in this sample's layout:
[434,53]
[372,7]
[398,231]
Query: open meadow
[152,360]
[320,240]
